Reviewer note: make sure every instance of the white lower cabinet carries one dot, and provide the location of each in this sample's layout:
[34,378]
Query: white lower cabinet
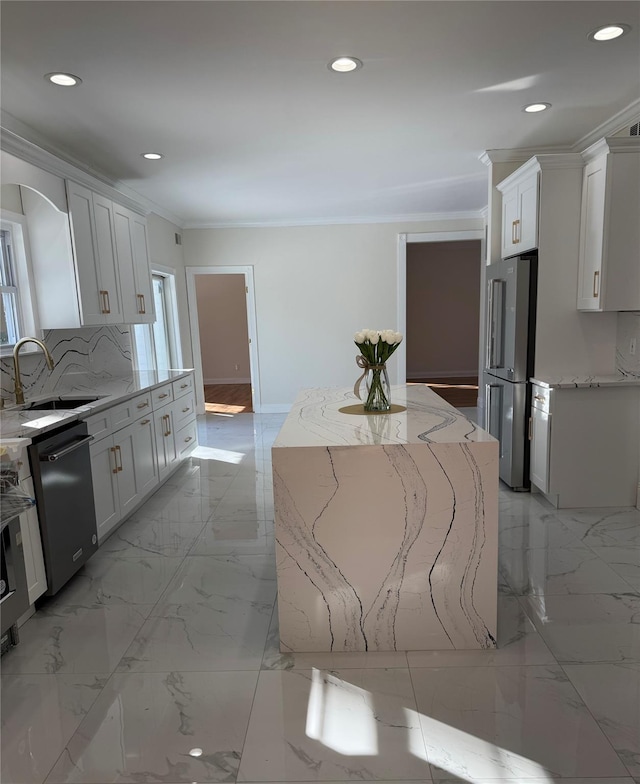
[32,547]
[584,445]
[125,470]
[167,454]
[140,442]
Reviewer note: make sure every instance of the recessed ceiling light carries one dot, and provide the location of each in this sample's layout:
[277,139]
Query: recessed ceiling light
[609,32]
[152,156]
[532,108]
[345,64]
[63,79]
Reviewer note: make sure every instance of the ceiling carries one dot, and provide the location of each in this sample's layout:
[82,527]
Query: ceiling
[255,128]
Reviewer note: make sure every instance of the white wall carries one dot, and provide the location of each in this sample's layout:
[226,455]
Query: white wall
[224,336]
[314,287]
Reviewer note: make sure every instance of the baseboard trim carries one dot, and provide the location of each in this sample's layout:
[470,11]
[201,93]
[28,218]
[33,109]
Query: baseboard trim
[227,381]
[273,408]
[442,374]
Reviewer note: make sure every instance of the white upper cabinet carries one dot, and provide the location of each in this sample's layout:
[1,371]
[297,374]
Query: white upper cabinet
[90,266]
[609,266]
[93,239]
[519,211]
[135,272]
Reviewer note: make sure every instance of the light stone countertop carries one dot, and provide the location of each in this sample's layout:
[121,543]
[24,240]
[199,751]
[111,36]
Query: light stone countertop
[315,420]
[577,382]
[17,423]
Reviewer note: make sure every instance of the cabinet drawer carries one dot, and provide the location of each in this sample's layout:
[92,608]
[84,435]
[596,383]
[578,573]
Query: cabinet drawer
[187,438]
[99,425]
[127,412]
[541,398]
[184,409]
[161,396]
[182,386]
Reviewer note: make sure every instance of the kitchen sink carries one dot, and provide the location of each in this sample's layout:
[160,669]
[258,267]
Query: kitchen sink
[62,404]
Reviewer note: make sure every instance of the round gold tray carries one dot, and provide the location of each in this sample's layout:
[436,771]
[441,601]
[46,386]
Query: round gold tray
[358,409]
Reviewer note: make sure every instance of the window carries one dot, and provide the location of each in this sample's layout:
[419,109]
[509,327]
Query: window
[17,307]
[10,331]
[157,345]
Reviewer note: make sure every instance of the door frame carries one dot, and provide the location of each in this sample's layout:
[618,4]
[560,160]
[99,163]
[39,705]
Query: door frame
[192,301]
[401,288]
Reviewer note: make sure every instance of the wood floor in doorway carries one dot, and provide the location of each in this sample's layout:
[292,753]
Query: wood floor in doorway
[228,399]
[460,392]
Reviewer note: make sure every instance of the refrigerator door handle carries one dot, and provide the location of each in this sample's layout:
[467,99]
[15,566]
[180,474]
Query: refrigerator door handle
[495,342]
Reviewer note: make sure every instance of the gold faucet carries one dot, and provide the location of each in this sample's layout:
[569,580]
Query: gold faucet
[16,364]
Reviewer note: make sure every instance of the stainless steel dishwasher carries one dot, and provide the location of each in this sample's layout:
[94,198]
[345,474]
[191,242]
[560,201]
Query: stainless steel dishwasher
[61,472]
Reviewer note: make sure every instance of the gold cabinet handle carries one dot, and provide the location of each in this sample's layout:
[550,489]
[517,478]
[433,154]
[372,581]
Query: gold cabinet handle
[513,233]
[105,301]
[530,428]
[184,386]
[538,397]
[167,431]
[120,456]
[517,223]
[145,421]
[115,460]
[164,394]
[187,439]
[142,308]
[596,282]
[143,405]
[184,410]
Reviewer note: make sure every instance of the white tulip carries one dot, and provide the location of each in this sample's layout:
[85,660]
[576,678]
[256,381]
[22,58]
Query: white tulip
[359,337]
[374,337]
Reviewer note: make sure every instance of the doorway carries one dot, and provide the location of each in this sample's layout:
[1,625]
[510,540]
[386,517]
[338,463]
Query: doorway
[439,288]
[222,317]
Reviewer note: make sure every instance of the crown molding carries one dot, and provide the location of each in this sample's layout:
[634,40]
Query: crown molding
[520,154]
[19,140]
[427,217]
[613,125]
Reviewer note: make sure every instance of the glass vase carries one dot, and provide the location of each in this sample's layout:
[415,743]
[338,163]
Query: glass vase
[378,389]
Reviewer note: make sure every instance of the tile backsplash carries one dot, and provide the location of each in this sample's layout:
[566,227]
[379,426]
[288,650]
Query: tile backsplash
[628,329]
[97,352]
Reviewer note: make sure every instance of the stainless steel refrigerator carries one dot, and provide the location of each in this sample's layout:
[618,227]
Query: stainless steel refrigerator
[510,336]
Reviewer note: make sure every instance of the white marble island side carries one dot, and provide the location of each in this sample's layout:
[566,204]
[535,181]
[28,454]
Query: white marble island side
[386,526]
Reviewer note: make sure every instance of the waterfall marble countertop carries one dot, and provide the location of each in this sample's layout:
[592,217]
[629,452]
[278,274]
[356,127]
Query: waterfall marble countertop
[577,382]
[16,422]
[315,420]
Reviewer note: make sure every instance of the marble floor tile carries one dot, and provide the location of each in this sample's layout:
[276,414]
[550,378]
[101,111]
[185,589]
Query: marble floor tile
[590,628]
[536,780]
[521,534]
[172,505]
[160,727]
[559,570]
[75,639]
[612,694]
[509,723]
[344,725]
[518,643]
[40,713]
[214,615]
[114,579]
[616,527]
[623,560]
[142,536]
[235,537]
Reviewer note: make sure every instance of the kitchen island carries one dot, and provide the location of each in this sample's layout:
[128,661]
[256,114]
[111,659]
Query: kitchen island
[386,526]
